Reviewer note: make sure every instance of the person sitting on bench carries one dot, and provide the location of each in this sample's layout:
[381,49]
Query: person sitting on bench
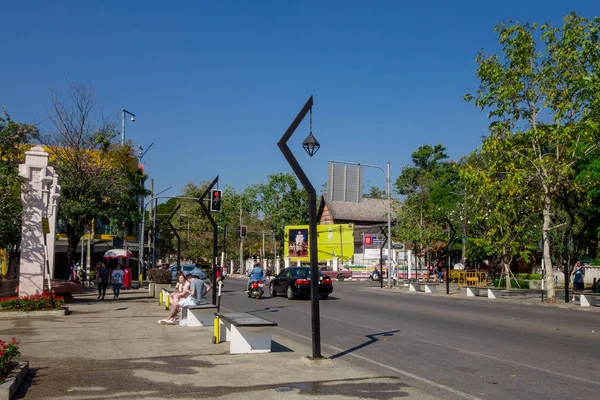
[182,289]
[196,293]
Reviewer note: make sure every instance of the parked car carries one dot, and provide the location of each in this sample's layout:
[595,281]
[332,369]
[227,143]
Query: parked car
[187,269]
[295,281]
[339,275]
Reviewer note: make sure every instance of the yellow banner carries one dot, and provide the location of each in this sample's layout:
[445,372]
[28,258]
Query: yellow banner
[332,241]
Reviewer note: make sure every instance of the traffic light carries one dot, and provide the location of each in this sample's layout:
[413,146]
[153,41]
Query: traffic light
[243,229]
[216,202]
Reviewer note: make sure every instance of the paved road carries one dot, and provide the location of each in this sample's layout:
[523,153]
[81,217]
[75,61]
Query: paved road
[466,347]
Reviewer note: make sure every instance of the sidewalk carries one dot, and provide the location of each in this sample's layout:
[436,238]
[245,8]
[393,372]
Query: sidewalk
[117,350]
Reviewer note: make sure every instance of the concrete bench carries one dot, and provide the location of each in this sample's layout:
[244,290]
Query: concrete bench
[422,286]
[200,315]
[492,292]
[246,333]
[588,299]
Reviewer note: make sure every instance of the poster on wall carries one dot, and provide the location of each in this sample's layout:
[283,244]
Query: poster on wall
[297,242]
[332,241]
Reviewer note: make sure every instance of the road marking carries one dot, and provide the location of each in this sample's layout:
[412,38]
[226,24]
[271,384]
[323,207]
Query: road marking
[396,370]
[503,360]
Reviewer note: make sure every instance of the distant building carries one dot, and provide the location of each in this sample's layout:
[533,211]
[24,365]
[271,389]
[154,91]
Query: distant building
[368,216]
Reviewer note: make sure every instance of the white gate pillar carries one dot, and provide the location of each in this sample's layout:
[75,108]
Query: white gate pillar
[39,198]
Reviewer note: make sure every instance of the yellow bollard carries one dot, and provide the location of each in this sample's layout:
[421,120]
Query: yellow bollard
[167,300]
[216,338]
[160,299]
[141,278]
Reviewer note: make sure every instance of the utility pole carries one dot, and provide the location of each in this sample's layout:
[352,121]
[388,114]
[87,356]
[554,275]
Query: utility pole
[153,237]
[242,269]
[88,259]
[464,231]
[263,251]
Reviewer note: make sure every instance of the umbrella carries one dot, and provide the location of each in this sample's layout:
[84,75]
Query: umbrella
[117,253]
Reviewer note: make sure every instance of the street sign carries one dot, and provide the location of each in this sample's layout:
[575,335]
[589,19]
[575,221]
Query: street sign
[45,225]
[398,246]
[378,241]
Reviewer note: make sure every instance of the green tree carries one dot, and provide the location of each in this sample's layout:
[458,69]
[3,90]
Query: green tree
[499,186]
[12,138]
[280,202]
[427,186]
[544,88]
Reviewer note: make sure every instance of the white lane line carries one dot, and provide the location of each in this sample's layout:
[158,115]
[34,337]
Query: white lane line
[396,370]
[474,353]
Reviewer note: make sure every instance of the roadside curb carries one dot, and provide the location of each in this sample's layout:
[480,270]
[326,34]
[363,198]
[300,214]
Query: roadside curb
[26,314]
[14,379]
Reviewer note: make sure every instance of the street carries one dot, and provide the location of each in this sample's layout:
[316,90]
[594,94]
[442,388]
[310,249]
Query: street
[465,347]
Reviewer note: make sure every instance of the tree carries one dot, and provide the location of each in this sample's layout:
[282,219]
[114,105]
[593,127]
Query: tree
[427,185]
[544,89]
[501,203]
[281,203]
[375,192]
[13,136]
[98,176]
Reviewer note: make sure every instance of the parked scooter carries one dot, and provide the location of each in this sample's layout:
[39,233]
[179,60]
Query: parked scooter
[256,289]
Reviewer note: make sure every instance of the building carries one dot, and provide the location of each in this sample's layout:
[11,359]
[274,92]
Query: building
[368,217]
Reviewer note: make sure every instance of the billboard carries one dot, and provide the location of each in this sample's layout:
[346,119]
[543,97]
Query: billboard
[332,241]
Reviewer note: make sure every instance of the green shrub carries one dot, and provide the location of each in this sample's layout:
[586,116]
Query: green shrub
[529,277]
[513,283]
[596,261]
[161,276]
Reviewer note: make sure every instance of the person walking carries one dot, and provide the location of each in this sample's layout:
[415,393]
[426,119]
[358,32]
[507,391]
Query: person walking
[578,275]
[117,281]
[102,279]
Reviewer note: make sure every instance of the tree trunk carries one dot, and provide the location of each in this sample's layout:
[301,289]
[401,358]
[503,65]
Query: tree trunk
[506,269]
[550,292]
[73,240]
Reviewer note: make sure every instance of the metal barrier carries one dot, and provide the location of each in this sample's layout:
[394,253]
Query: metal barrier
[466,278]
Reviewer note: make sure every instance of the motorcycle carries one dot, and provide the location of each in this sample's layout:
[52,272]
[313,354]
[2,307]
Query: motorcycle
[375,277]
[256,289]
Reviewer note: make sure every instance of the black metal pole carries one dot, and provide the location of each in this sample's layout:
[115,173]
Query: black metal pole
[312,234]
[215,237]
[177,236]
[314,273]
[450,239]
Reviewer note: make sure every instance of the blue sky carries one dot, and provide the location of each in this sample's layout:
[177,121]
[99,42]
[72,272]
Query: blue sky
[215,84]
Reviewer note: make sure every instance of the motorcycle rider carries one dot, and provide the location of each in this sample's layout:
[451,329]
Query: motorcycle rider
[256,274]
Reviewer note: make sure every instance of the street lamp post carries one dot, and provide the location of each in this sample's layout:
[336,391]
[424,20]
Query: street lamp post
[389,209]
[153,238]
[141,252]
[123,112]
[311,146]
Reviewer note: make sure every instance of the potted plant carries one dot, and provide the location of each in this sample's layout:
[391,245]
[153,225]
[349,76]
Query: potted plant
[162,280]
[12,372]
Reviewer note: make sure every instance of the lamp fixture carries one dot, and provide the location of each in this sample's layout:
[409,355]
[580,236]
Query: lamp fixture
[310,144]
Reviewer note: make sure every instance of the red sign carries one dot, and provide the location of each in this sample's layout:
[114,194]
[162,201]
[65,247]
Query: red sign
[368,240]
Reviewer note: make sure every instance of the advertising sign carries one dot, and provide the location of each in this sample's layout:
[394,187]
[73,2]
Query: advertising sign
[332,241]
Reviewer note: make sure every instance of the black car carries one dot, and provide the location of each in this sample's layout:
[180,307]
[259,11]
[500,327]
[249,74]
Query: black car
[295,281]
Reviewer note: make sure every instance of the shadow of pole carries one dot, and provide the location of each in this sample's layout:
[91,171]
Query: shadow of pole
[372,339]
